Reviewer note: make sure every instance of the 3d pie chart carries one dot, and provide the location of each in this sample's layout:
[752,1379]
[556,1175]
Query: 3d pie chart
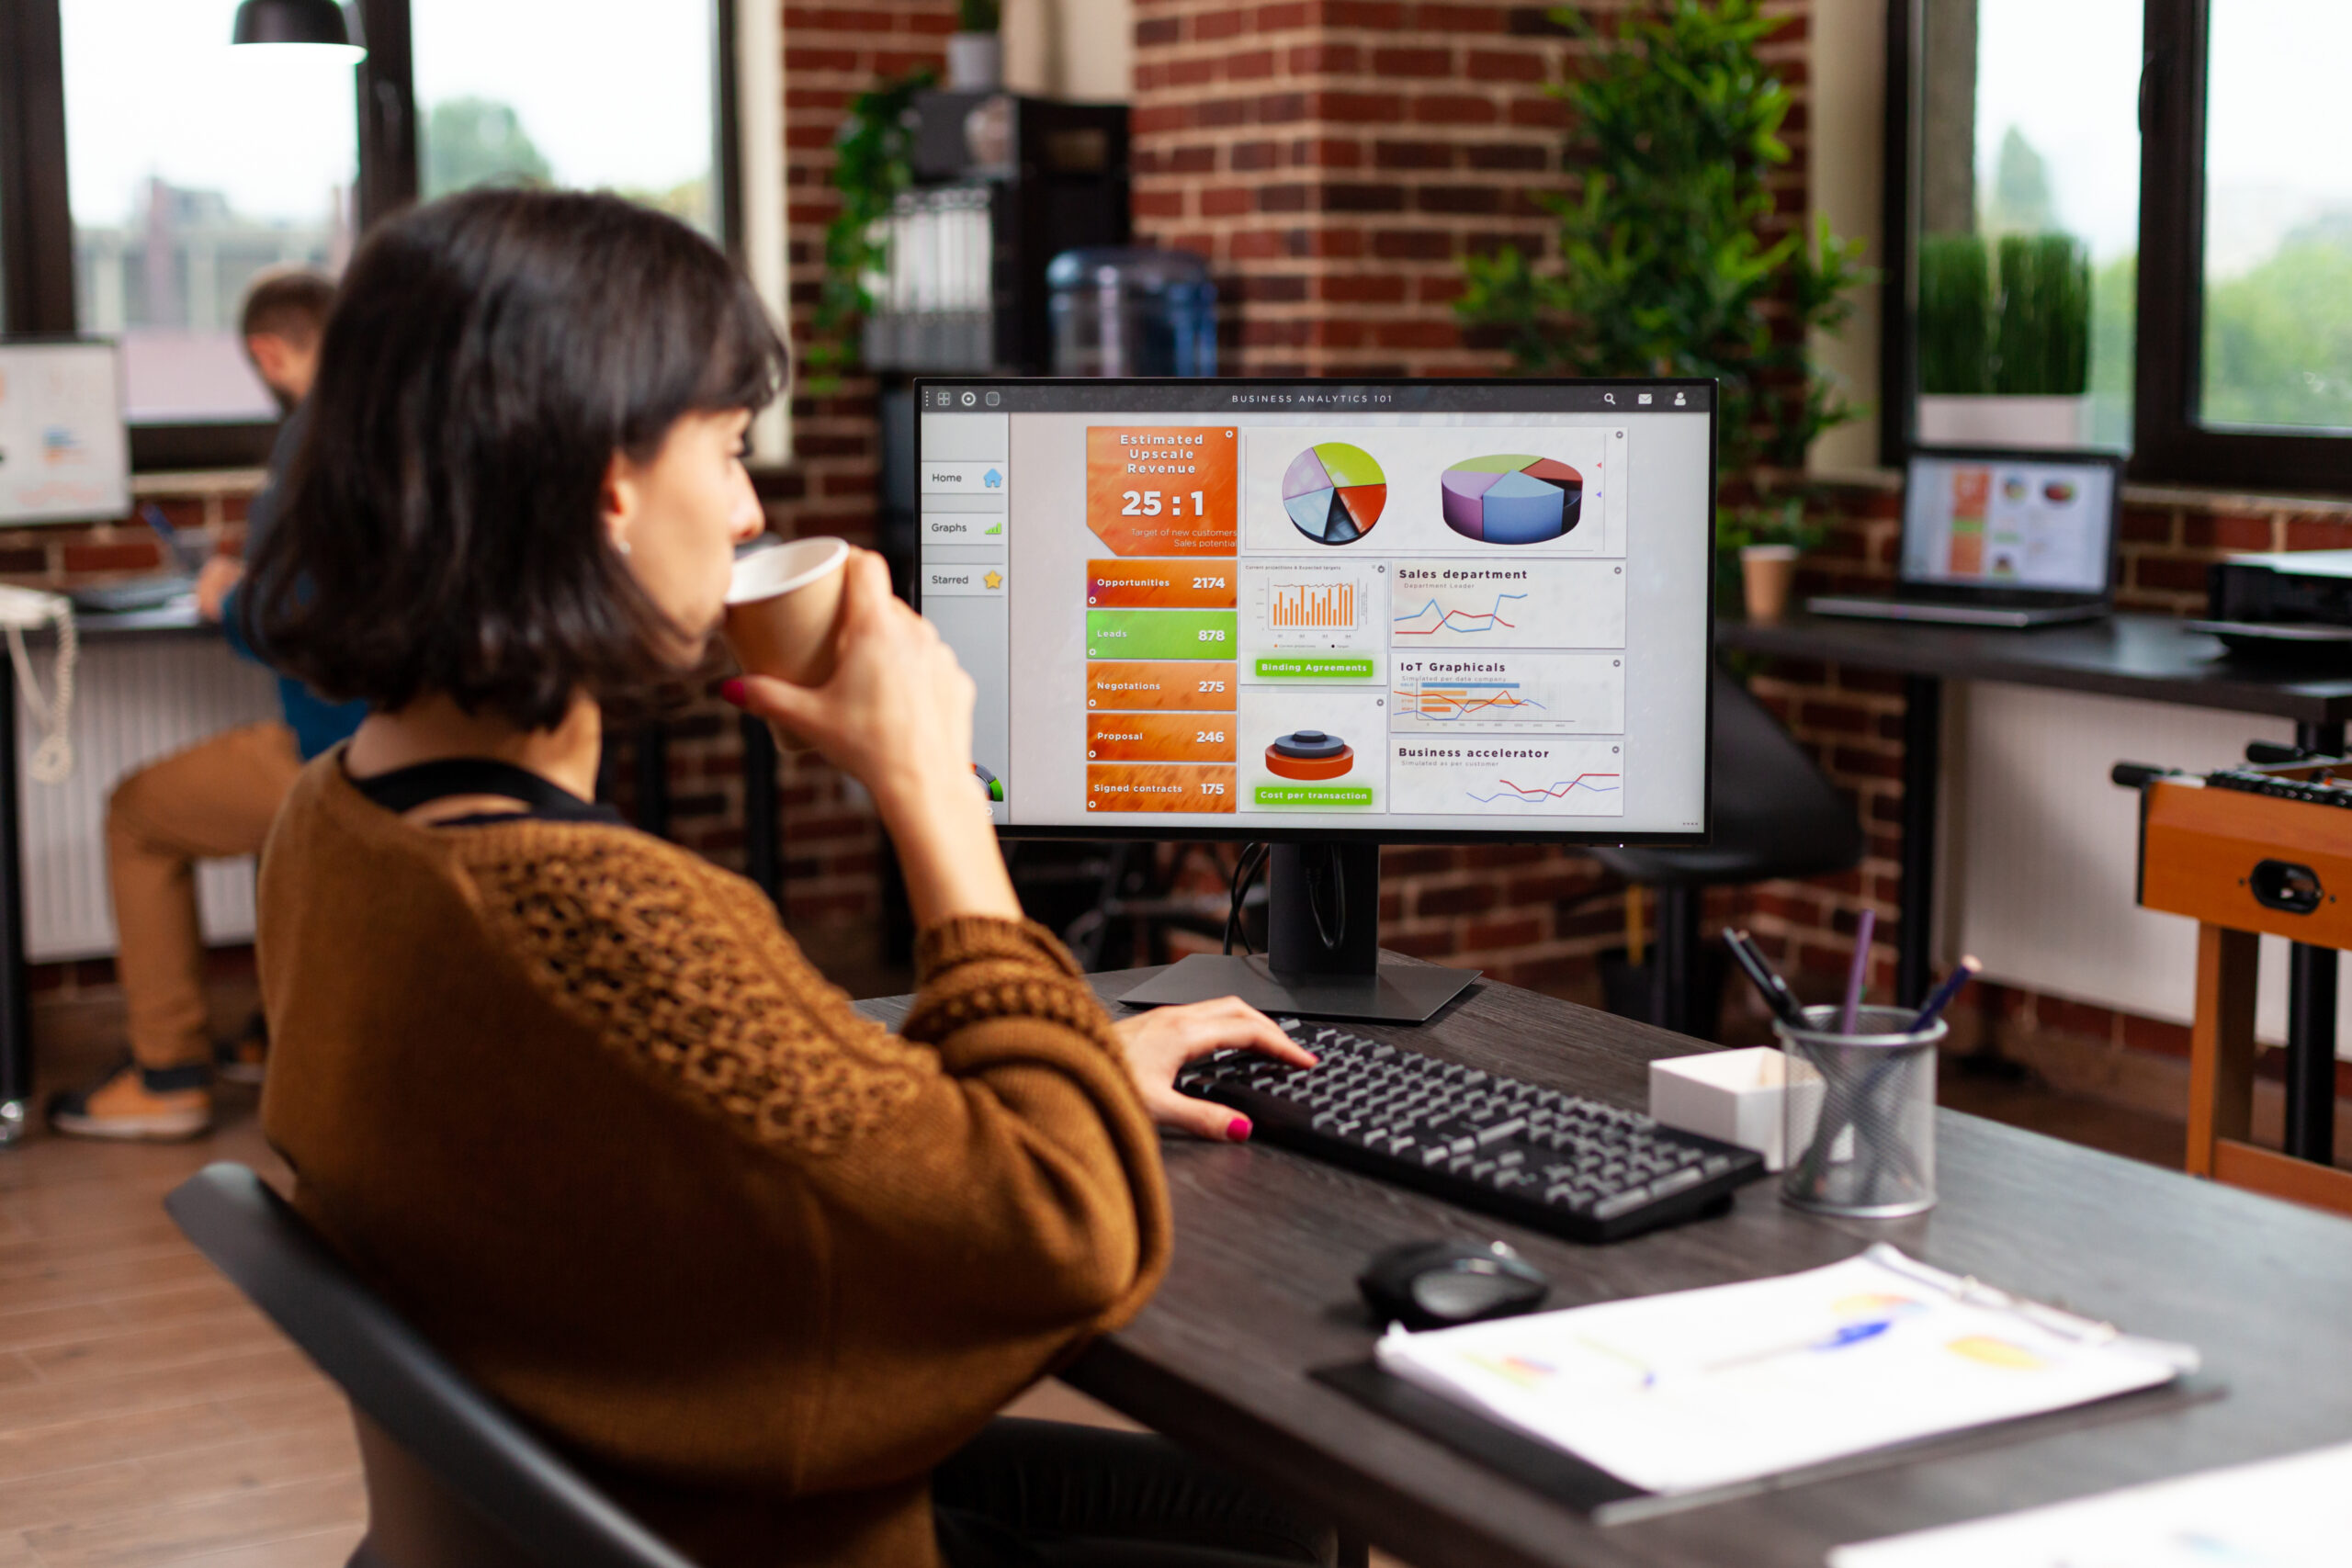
[1511,499]
[1334,493]
[1309,754]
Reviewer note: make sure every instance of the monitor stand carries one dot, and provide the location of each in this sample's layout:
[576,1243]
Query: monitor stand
[1323,950]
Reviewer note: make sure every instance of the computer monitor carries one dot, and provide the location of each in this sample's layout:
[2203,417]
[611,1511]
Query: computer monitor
[64,453]
[1328,616]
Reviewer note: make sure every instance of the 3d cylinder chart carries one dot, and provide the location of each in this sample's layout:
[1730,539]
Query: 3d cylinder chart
[1309,754]
[1511,499]
[1335,493]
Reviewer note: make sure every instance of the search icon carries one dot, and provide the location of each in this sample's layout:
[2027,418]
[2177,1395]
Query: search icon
[1609,397]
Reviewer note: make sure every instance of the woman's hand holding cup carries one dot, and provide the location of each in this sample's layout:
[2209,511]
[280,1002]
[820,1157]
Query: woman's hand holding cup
[895,713]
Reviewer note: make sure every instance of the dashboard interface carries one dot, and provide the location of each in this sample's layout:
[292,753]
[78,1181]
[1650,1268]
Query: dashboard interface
[1238,607]
[2009,521]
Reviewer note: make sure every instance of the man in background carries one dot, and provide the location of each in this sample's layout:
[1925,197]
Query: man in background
[215,800]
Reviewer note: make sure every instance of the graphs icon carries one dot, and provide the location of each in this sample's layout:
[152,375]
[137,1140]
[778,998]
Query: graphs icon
[1511,499]
[1334,493]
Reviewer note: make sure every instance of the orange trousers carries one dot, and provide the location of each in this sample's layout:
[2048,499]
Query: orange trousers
[213,801]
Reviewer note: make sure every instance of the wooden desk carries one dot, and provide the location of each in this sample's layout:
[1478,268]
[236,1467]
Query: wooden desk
[1268,1245]
[2154,658]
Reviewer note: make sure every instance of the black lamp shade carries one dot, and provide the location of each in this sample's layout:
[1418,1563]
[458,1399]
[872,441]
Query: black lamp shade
[291,21]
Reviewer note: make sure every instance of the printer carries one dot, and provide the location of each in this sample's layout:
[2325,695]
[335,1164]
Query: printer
[2296,602]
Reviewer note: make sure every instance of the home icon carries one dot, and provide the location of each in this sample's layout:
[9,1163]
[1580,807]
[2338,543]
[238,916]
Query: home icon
[994,480]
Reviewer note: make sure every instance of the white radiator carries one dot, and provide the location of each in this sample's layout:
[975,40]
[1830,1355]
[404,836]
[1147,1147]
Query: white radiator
[2040,858]
[139,698]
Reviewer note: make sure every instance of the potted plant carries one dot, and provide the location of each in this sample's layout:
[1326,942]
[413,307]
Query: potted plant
[2005,337]
[872,162]
[1663,265]
[975,52]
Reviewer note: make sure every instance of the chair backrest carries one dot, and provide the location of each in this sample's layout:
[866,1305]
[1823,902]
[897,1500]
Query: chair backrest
[1776,814]
[453,1480]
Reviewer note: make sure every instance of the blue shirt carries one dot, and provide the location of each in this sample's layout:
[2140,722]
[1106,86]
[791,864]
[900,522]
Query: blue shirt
[317,723]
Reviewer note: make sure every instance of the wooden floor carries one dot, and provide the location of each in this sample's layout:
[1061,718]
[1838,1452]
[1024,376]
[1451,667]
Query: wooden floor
[149,1415]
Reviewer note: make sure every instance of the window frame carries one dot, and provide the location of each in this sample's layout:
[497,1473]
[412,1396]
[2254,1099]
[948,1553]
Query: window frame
[2169,445]
[37,278]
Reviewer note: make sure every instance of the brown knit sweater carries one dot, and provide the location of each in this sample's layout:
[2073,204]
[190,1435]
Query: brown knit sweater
[575,1102]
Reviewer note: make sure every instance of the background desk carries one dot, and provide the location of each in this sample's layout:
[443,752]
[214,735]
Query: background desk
[1268,1245]
[2153,657]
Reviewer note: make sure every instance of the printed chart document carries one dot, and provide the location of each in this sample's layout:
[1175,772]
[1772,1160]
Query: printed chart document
[2287,1513]
[1709,1388]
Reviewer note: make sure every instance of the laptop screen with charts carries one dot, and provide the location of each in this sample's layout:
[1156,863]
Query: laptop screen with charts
[2011,524]
[1263,610]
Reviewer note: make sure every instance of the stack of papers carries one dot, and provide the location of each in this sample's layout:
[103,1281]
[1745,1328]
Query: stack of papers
[1709,1388]
[2289,1513]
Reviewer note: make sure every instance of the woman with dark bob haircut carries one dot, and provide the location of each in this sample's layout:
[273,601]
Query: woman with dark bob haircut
[569,1094]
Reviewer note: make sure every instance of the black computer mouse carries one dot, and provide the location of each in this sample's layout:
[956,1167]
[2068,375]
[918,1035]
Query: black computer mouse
[1435,1284]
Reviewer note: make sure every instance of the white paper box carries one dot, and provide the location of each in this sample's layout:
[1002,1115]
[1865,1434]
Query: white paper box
[1732,1095]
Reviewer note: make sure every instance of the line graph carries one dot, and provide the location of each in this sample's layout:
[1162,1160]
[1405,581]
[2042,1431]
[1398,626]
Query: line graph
[1524,795]
[1485,771]
[1451,704]
[1523,602]
[1462,621]
[1506,690]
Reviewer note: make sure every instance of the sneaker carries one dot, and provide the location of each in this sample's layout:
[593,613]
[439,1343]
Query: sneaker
[242,1060]
[149,1104]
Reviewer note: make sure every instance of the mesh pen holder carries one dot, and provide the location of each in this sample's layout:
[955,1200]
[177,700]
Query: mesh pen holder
[1859,1114]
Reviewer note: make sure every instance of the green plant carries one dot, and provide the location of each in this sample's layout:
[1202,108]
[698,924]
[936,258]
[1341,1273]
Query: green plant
[1663,266]
[2021,328]
[2042,347]
[1955,335]
[872,163]
[978,16]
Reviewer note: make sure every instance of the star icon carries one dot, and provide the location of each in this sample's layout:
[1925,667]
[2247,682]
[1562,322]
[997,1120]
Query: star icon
[994,580]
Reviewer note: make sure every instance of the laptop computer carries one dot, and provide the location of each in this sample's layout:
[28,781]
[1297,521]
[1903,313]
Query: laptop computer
[1994,538]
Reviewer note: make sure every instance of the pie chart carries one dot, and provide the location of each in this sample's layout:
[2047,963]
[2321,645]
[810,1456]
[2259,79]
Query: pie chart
[1511,499]
[1334,493]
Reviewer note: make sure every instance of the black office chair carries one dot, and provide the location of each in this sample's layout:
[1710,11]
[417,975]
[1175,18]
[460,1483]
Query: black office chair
[1776,815]
[453,1480]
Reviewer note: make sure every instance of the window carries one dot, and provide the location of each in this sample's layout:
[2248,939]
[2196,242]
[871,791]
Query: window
[189,166]
[2131,213]
[618,98]
[2276,279]
[192,167]
[2028,204]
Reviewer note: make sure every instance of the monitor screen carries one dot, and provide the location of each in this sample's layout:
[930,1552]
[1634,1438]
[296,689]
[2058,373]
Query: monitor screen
[1259,609]
[1997,521]
[64,455]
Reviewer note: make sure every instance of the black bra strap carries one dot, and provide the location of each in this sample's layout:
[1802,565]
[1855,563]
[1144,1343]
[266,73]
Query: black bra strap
[404,789]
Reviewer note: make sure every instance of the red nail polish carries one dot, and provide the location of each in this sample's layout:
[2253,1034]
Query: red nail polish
[1238,1130]
[731,691]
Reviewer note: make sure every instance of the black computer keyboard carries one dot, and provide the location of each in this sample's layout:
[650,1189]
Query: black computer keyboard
[1553,1161]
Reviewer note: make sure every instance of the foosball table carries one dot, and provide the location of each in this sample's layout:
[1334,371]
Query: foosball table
[2265,849]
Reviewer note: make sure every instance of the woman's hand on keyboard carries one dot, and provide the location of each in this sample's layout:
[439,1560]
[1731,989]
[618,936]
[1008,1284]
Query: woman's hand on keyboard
[1160,1041]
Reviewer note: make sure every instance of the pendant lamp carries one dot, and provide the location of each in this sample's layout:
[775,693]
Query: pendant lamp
[309,23]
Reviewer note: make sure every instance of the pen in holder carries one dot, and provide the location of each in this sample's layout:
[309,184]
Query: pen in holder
[1865,1145]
